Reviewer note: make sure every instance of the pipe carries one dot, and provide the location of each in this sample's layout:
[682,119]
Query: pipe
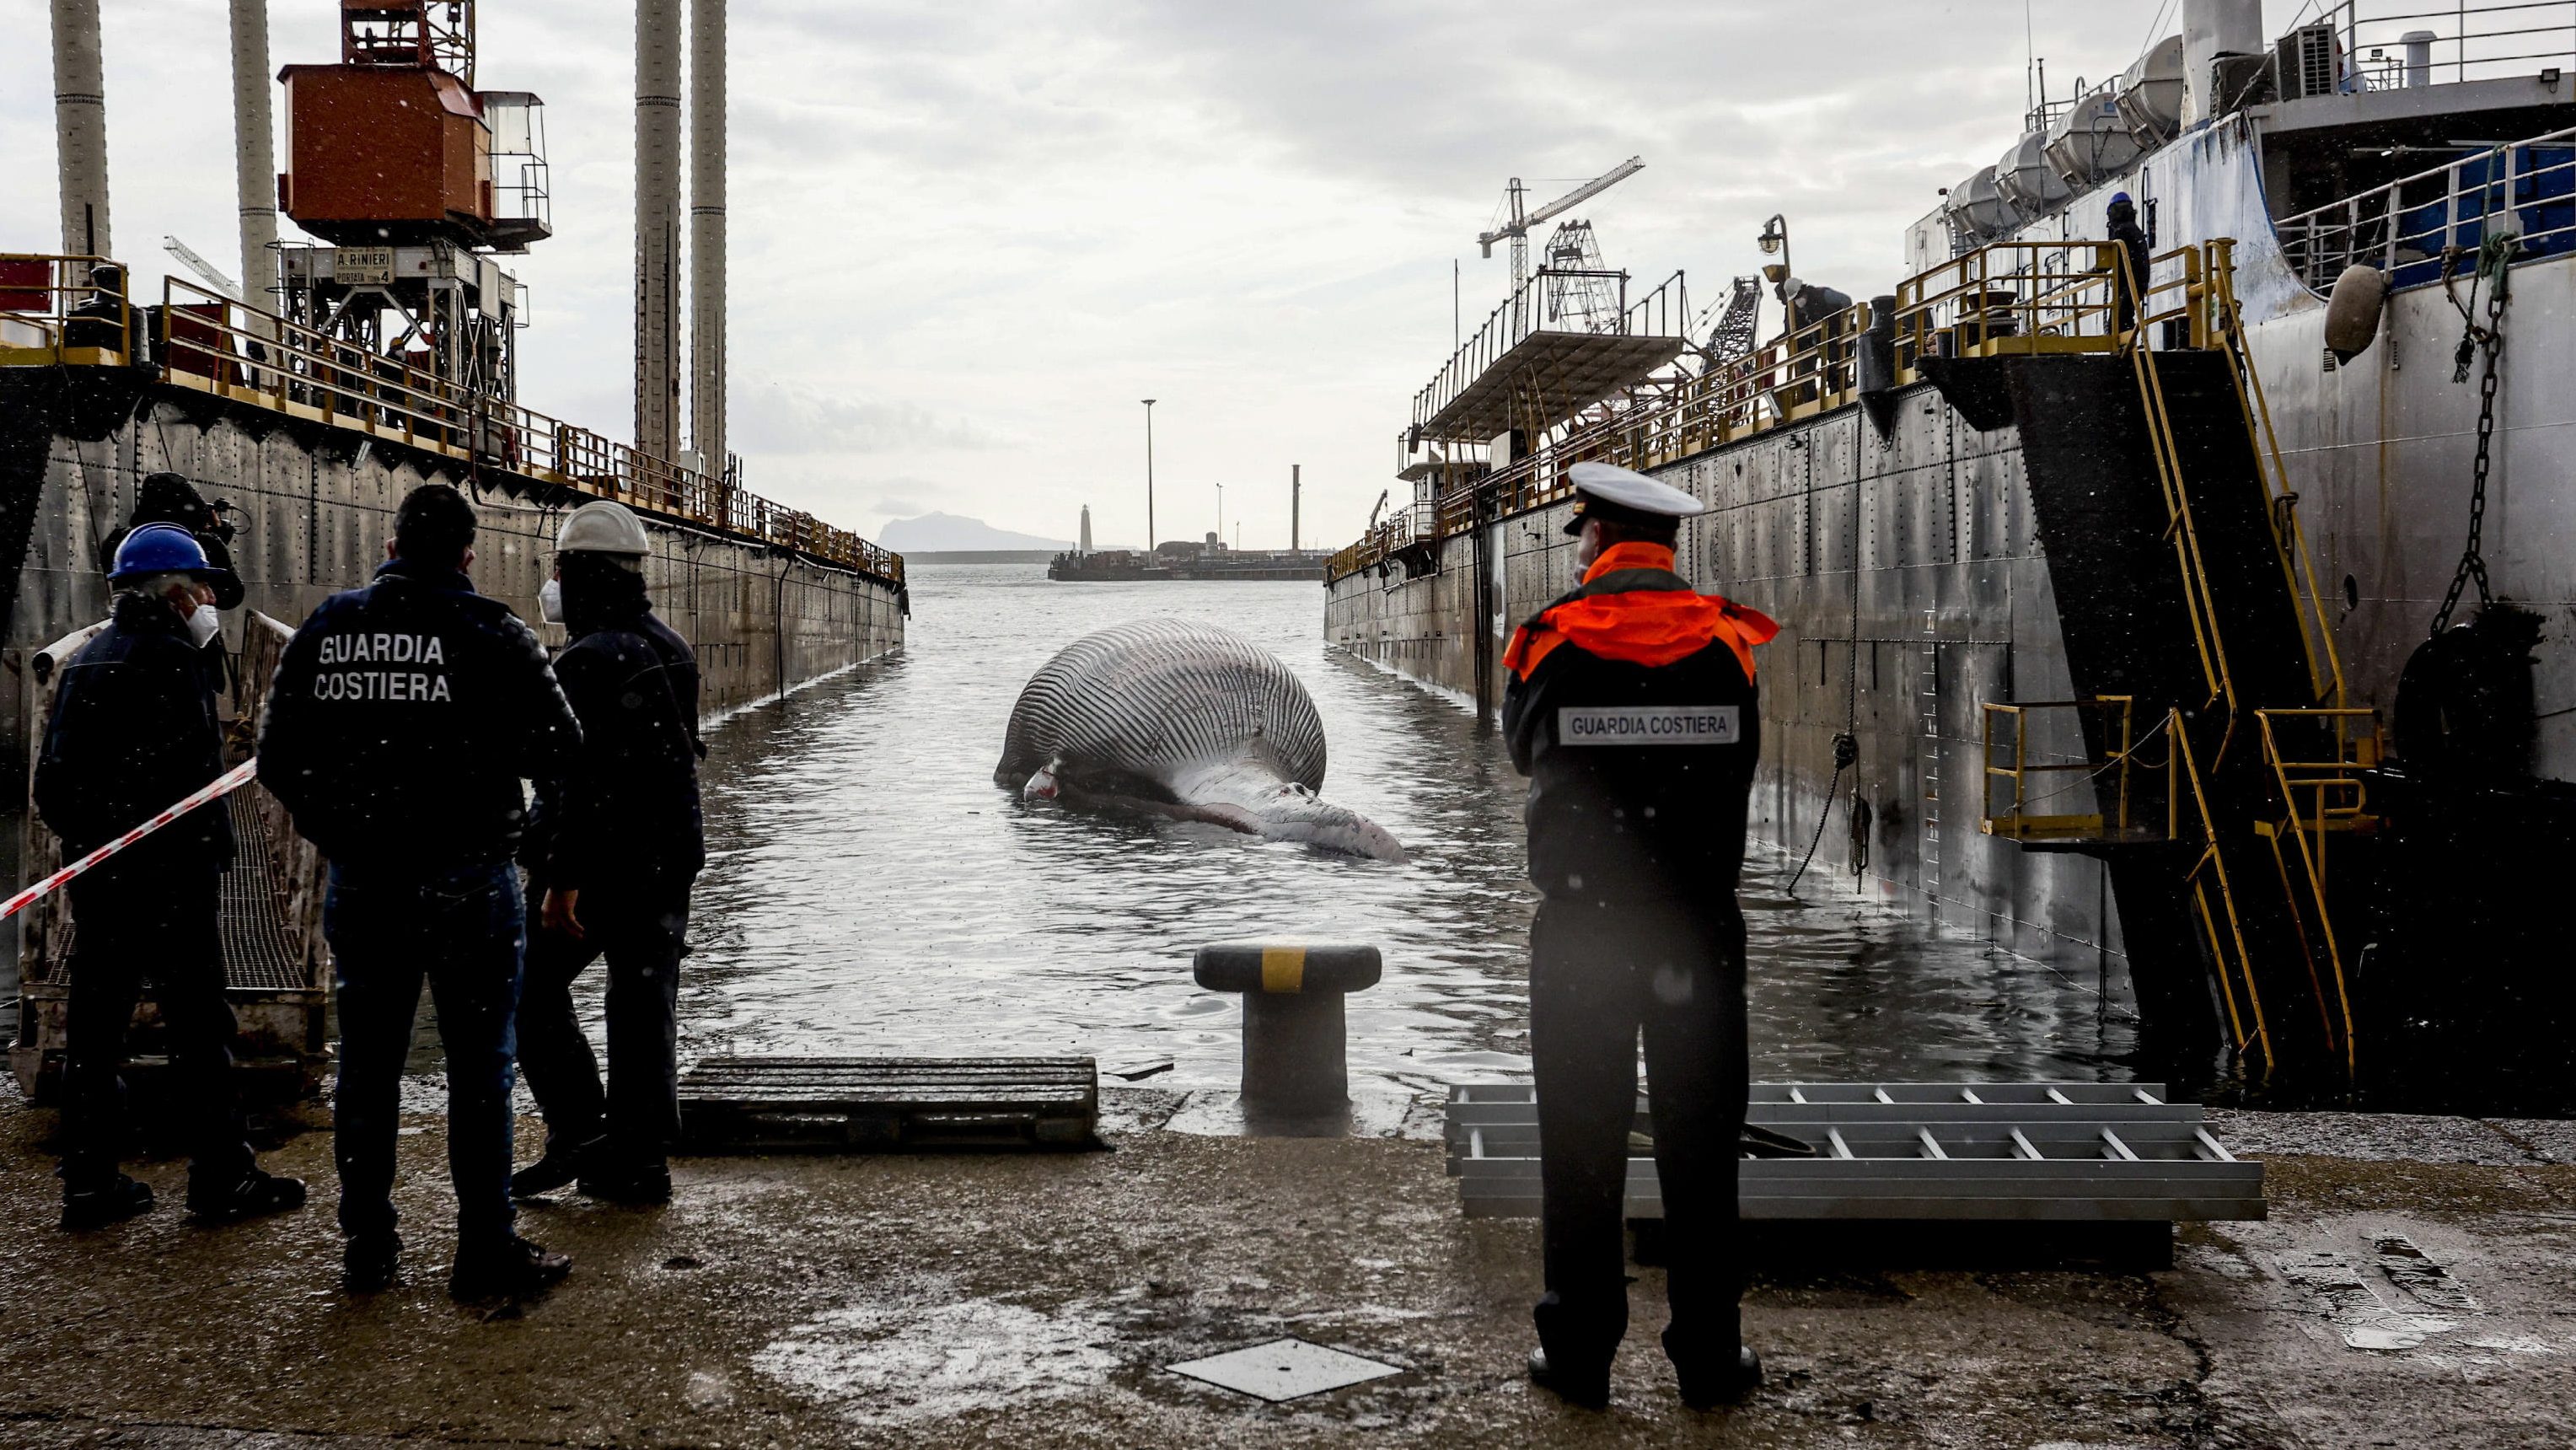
[255,152]
[657,226]
[80,128]
[707,232]
[2210,29]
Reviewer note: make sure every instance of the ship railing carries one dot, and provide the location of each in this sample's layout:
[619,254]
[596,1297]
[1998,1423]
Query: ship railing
[214,344]
[2417,227]
[2023,769]
[2466,40]
[53,309]
[1538,306]
[2013,298]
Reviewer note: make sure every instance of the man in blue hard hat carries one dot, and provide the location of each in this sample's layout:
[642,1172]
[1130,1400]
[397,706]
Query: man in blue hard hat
[612,852]
[403,719]
[133,732]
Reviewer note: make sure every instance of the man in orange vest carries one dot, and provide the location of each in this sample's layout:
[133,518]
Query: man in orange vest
[1631,709]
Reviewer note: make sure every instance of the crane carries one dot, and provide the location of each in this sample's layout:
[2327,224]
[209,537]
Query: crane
[1517,229]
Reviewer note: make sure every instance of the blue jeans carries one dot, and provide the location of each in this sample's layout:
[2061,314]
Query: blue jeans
[465,932]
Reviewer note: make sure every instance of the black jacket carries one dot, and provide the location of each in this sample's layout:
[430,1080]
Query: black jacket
[628,806]
[133,731]
[402,720]
[1639,772]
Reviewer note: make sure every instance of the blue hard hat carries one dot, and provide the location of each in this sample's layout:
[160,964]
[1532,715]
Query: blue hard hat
[159,549]
[2118,197]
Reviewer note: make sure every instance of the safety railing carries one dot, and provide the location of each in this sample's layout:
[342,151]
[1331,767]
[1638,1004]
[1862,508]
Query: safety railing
[2466,40]
[2034,297]
[217,345]
[59,309]
[1404,529]
[2121,823]
[2413,227]
[1537,307]
[2321,775]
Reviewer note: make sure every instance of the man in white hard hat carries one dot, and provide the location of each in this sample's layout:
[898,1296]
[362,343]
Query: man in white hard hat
[613,848]
[1632,711]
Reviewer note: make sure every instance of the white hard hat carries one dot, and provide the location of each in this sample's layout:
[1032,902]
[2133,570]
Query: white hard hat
[1625,488]
[603,527]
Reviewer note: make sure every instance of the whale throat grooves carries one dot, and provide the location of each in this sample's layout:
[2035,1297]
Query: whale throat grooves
[1138,705]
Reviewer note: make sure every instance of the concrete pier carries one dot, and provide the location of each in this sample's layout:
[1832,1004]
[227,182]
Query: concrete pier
[955,1300]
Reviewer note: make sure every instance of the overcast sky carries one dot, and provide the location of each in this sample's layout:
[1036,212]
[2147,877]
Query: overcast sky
[967,239]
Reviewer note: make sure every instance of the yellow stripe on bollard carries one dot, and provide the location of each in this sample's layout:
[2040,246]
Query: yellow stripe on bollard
[1283,969]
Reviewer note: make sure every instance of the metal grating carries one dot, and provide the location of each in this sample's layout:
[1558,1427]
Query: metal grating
[2066,1152]
[260,950]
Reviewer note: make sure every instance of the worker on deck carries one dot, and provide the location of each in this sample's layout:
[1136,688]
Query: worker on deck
[403,718]
[1823,314]
[133,733]
[169,498]
[1631,708]
[2122,218]
[612,851]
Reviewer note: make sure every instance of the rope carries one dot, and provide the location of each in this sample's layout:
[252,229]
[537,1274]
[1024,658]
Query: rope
[1846,744]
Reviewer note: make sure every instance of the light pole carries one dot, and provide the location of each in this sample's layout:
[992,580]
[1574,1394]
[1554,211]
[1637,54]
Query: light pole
[1220,516]
[1775,241]
[1149,478]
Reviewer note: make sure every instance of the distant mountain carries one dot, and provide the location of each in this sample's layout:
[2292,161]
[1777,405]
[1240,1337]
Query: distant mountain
[935,533]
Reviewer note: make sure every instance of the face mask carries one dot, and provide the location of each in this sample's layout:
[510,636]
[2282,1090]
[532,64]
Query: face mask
[550,601]
[204,625]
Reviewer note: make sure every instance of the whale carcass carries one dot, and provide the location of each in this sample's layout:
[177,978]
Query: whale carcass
[1185,719]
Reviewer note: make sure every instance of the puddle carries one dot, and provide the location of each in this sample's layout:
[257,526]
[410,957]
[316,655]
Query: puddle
[912,1360]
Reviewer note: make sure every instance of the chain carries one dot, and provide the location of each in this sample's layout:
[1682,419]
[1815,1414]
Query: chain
[2495,255]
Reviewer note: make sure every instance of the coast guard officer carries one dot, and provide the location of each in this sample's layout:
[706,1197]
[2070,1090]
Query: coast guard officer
[402,720]
[1631,708]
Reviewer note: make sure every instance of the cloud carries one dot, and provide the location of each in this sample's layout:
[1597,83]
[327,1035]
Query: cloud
[965,240]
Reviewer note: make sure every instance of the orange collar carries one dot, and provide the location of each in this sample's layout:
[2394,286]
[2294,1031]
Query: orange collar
[1630,555]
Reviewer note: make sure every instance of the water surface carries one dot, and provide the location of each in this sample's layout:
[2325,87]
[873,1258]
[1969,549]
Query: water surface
[871,890]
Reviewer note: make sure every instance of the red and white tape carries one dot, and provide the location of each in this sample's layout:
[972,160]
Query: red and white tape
[224,785]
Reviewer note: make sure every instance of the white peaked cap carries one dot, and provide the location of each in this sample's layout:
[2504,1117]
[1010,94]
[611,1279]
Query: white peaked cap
[1633,490]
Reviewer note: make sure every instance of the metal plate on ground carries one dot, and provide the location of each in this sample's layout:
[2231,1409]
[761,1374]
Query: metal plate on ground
[769,1104]
[1285,1369]
[2007,1152]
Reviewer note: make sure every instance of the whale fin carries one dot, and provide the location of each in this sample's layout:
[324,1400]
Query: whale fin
[1041,784]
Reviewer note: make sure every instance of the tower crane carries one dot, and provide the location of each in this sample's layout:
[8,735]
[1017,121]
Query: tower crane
[1516,230]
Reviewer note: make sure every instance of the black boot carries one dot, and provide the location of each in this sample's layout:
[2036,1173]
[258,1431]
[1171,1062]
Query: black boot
[1589,1391]
[510,1268]
[634,1185]
[114,1201]
[1703,1391]
[561,1164]
[368,1263]
[248,1196]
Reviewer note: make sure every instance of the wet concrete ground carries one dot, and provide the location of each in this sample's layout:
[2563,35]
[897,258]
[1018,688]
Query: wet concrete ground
[952,1301]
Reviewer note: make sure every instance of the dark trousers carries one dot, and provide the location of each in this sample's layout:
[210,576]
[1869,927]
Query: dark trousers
[643,932]
[460,930]
[1599,976]
[135,923]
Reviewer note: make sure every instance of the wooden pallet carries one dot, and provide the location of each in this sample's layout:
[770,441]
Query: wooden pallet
[841,1104]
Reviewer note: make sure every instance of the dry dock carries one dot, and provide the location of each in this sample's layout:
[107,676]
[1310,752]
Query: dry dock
[936,1301]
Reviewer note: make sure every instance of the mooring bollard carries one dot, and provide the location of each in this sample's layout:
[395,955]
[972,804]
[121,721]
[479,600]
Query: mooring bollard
[1293,1053]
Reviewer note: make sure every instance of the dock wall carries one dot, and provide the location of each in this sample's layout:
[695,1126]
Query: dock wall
[315,508]
[1931,522]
